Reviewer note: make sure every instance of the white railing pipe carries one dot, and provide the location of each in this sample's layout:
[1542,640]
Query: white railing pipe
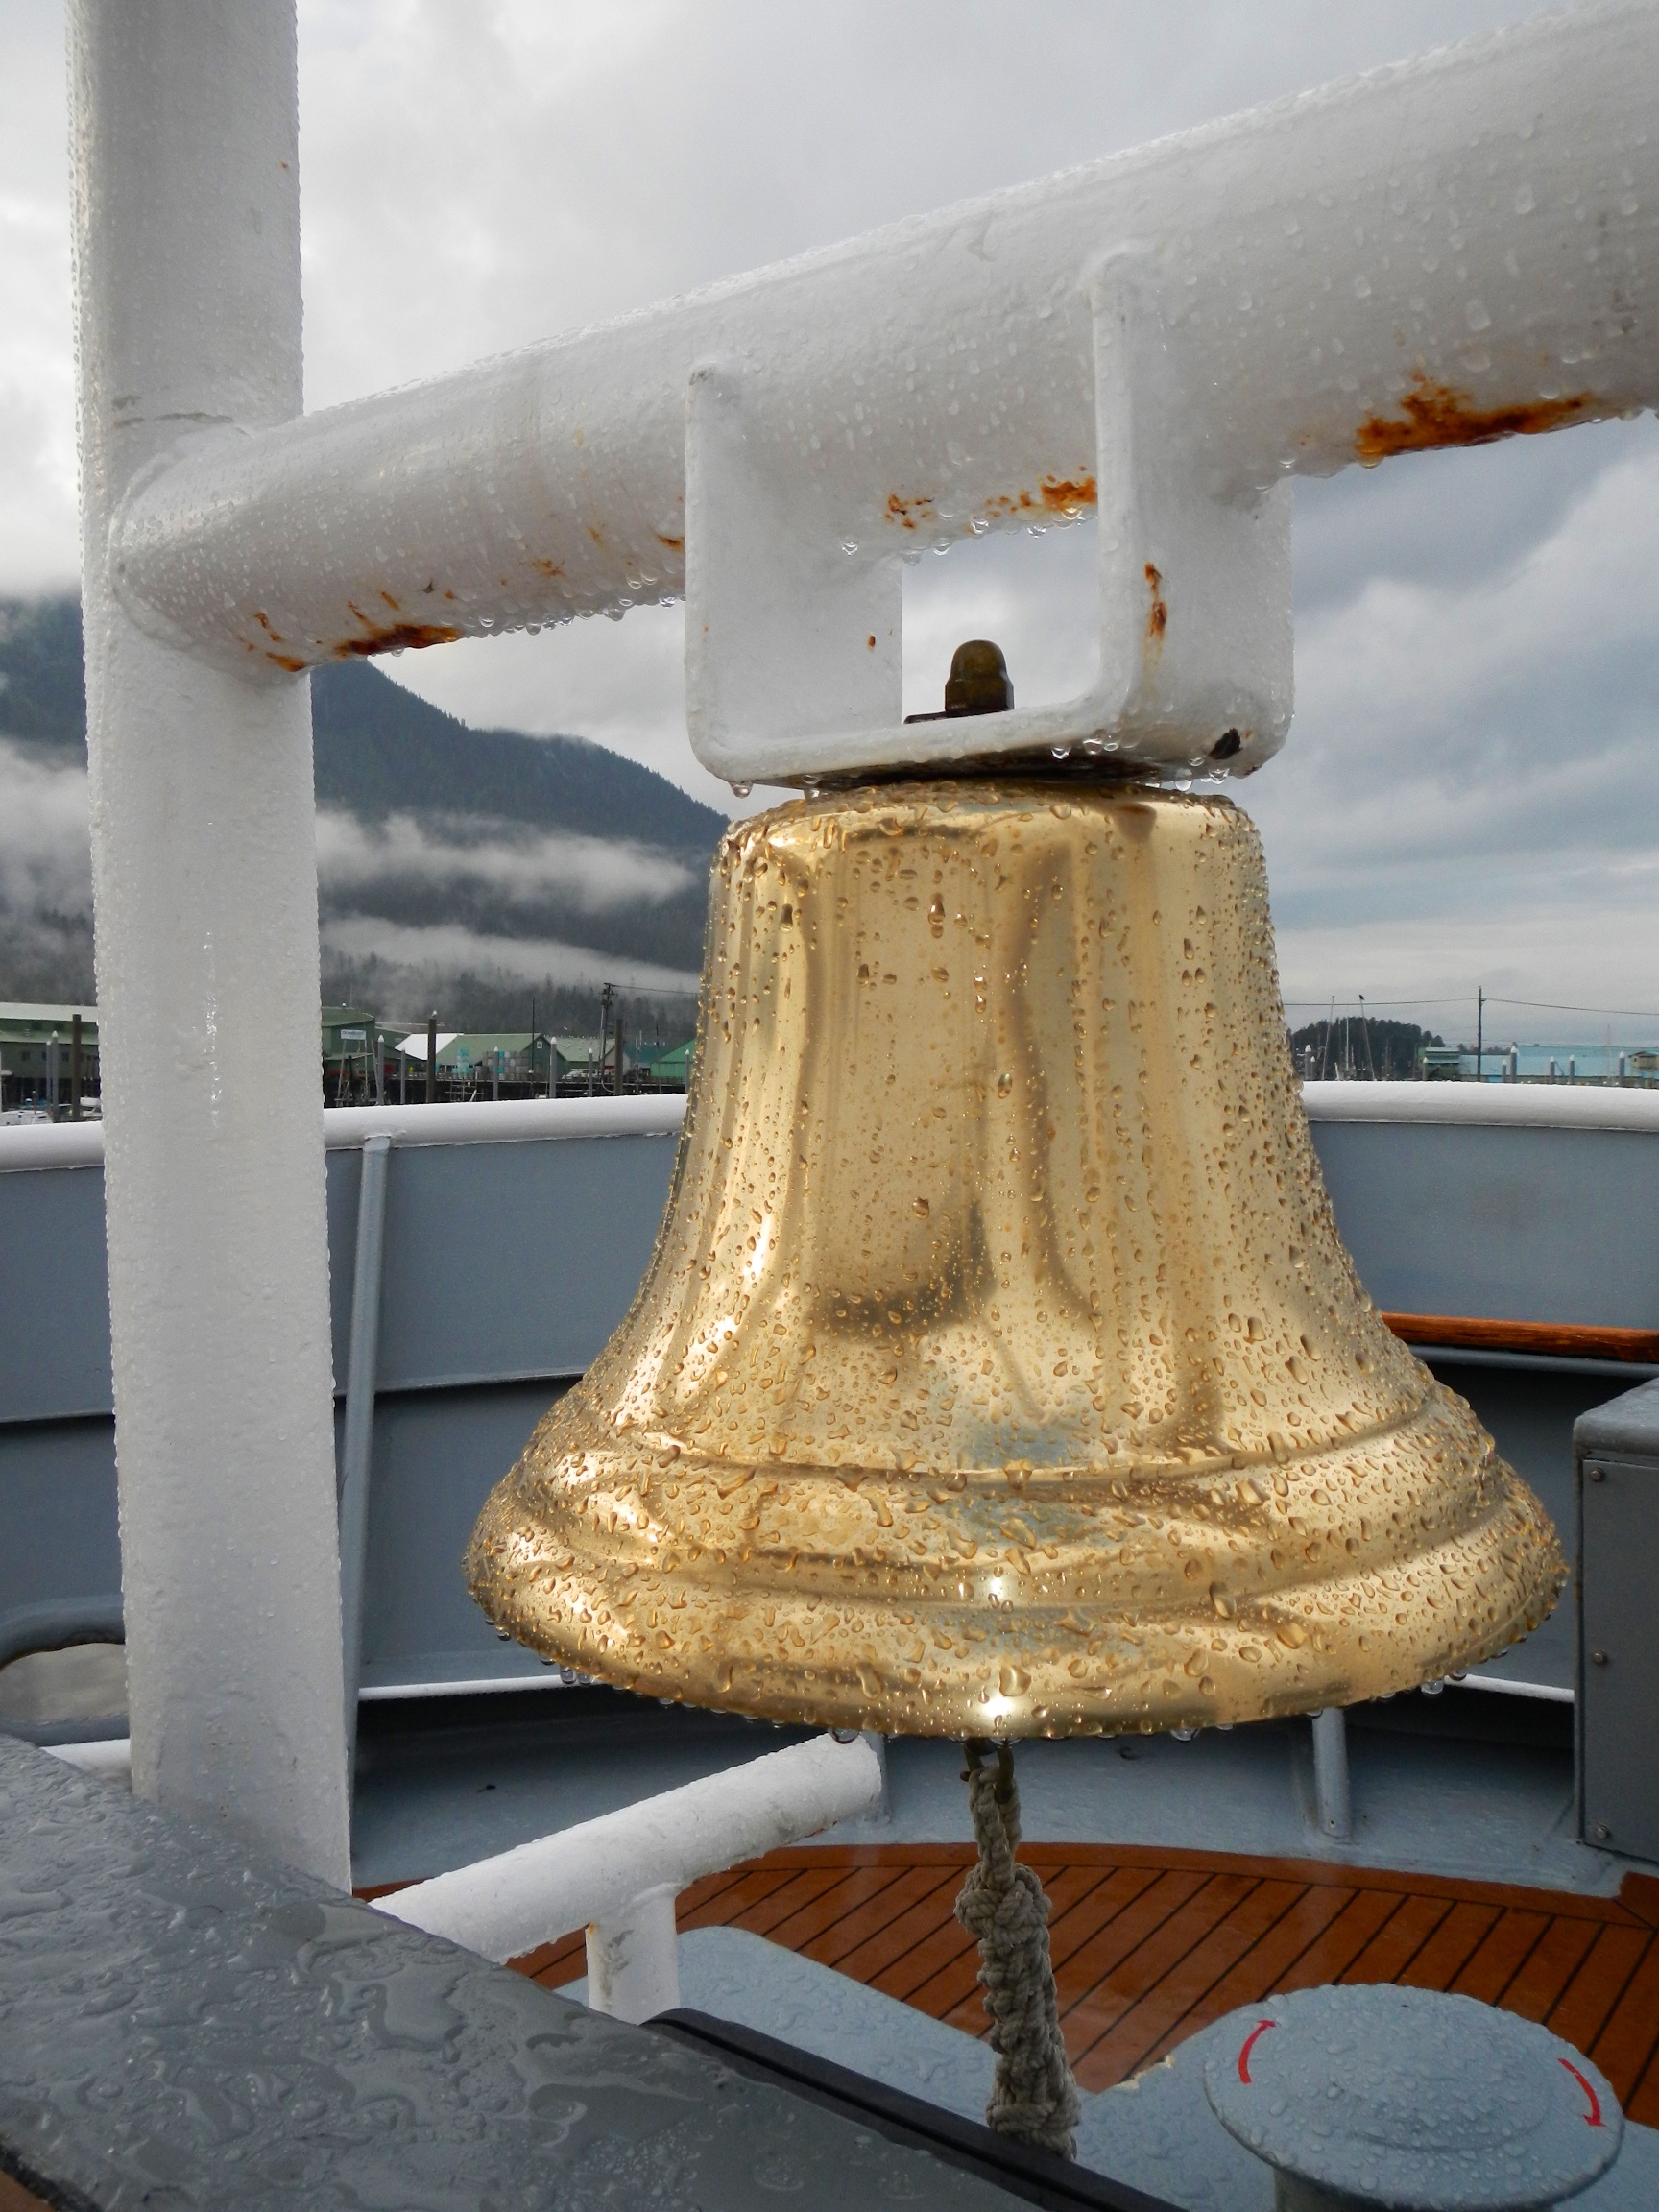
[1334,1805]
[611,1875]
[186,229]
[357,1428]
[1443,252]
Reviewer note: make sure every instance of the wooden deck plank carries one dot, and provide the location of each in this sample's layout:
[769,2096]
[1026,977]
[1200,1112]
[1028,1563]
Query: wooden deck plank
[712,1902]
[921,1937]
[1623,1910]
[1550,1965]
[1403,1934]
[1445,1954]
[1095,1897]
[1498,1957]
[1091,2016]
[763,1915]
[1185,2003]
[1625,2045]
[1159,1982]
[952,1964]
[815,1916]
[1335,1948]
[1338,1942]
[1262,1968]
[1150,1945]
[878,1924]
[941,1967]
[1583,2007]
[1087,1965]
[912,1976]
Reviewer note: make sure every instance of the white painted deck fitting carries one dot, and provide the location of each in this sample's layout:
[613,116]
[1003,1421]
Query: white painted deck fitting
[595,1870]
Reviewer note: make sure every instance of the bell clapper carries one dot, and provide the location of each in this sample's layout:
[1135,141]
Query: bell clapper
[1003,1906]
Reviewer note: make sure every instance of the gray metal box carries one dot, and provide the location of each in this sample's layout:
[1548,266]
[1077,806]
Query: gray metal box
[1615,1448]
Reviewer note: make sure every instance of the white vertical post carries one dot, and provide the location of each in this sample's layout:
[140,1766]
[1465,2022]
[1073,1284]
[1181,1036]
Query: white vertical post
[634,1958]
[1333,1800]
[357,1440]
[184,128]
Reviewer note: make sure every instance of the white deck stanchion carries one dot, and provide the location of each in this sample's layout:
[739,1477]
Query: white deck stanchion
[618,1876]
[205,875]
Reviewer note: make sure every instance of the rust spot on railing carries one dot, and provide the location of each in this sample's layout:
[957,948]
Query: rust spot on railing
[1063,495]
[546,567]
[390,637]
[1158,615]
[674,544]
[399,637]
[907,512]
[276,659]
[1441,415]
[391,602]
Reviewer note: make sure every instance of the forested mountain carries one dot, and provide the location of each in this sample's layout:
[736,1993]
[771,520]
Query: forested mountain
[465,866]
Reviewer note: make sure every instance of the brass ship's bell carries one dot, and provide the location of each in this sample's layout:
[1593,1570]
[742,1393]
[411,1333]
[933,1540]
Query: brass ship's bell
[1000,1371]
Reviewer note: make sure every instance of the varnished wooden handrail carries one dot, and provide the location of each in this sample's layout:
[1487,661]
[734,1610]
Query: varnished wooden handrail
[1554,1339]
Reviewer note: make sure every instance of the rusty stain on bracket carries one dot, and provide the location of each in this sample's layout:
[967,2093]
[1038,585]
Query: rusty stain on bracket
[1158,615]
[1065,496]
[907,513]
[397,638]
[1442,415]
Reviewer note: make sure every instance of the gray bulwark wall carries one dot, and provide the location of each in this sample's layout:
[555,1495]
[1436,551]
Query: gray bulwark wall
[1618,1456]
[1510,1224]
[188,2025]
[508,1263]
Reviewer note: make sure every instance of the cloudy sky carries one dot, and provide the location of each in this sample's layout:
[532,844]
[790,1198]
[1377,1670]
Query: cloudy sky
[1471,790]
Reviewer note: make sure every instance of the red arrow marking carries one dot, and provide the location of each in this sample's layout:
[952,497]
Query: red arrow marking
[1592,2118]
[1261,2028]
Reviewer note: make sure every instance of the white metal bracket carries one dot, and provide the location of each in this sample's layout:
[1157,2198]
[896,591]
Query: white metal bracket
[788,634]
[1195,610]
[792,653]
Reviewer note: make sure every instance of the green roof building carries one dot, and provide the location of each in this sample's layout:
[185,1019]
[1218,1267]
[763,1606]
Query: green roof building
[37,1052]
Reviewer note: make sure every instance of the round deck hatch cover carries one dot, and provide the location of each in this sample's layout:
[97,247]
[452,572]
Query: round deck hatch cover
[1414,2100]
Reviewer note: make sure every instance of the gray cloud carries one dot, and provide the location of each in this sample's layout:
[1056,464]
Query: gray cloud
[450,948]
[516,866]
[1470,791]
[45,861]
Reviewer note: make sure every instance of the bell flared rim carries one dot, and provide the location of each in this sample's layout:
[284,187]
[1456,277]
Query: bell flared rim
[1051,1628]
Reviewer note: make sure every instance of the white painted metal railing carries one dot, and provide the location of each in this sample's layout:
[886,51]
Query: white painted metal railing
[1445,252]
[618,1876]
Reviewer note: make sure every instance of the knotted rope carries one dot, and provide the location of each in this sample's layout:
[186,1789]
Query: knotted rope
[1003,1906]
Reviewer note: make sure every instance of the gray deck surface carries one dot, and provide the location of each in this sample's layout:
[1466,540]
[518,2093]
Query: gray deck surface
[185,2023]
[1156,2131]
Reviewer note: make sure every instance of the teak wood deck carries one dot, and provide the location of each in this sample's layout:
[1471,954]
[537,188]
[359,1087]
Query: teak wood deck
[1151,1945]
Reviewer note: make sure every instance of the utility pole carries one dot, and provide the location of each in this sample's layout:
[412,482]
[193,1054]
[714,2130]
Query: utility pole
[432,1060]
[606,996]
[1480,1030]
[75,1075]
[616,1085]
